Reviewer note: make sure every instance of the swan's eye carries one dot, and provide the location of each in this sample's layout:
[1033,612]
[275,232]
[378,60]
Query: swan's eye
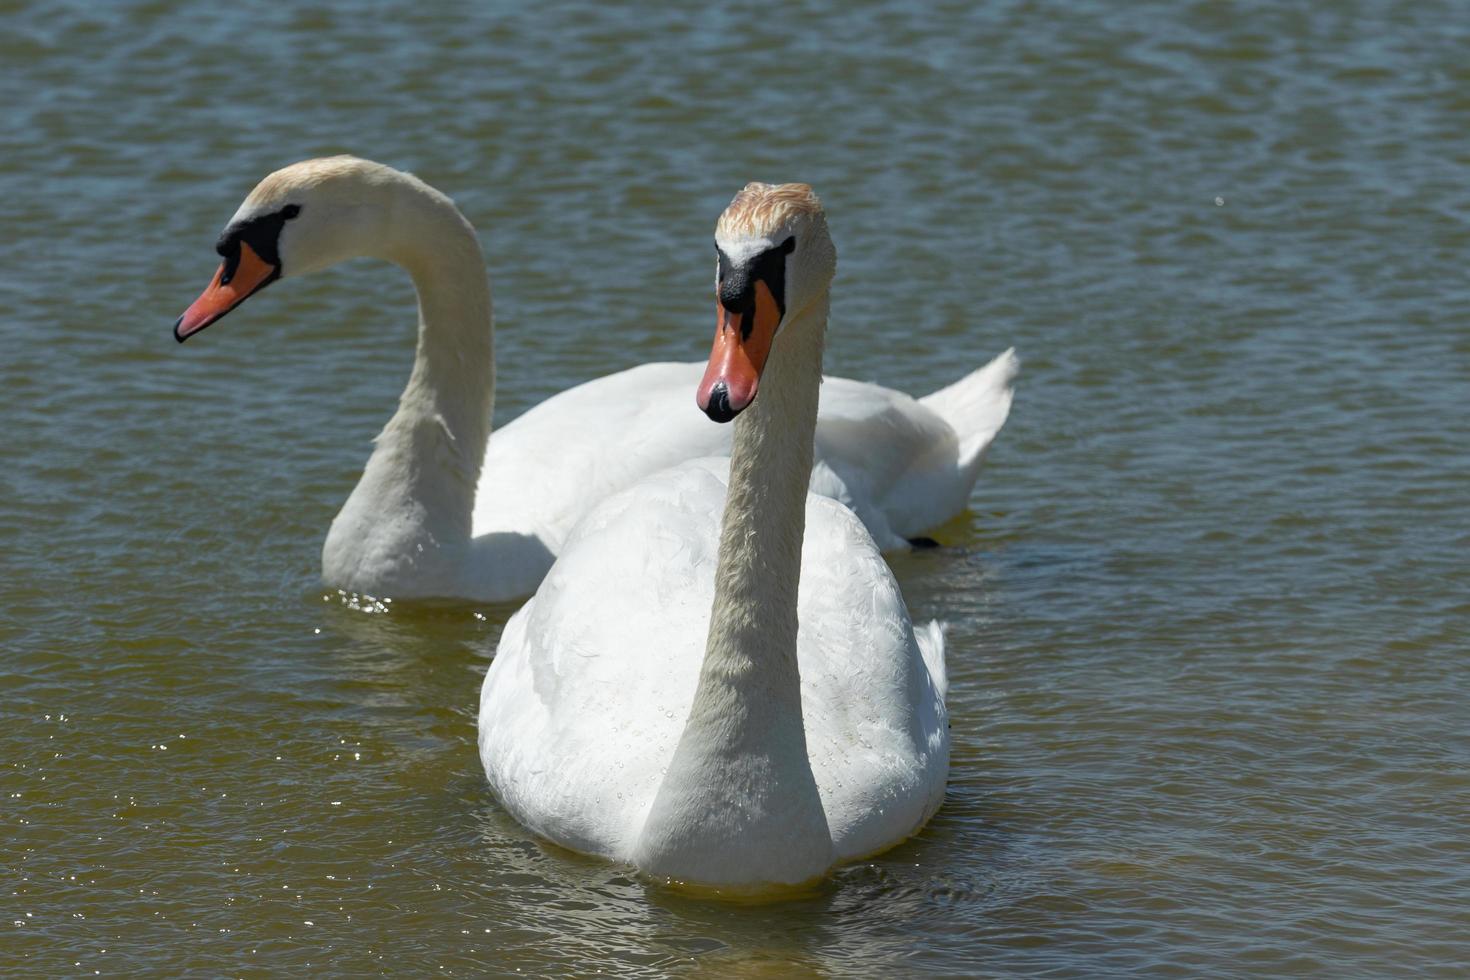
[788,246]
[290,211]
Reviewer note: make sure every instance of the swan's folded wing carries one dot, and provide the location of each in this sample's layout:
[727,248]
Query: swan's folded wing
[877,728]
[896,457]
[553,464]
[592,682]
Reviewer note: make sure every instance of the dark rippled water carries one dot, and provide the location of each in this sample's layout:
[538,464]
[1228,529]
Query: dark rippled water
[1209,608]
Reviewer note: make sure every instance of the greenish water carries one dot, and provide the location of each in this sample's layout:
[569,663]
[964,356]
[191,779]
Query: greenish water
[1209,655]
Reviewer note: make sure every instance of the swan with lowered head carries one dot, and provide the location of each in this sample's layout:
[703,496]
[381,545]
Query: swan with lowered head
[734,702]
[445,510]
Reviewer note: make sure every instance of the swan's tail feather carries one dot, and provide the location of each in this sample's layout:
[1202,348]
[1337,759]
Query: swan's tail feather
[931,646]
[976,407]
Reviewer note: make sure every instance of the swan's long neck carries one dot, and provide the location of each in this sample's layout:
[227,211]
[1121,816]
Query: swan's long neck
[406,527]
[753,625]
[739,801]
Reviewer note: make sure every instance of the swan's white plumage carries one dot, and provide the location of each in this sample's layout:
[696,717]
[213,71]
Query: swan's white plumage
[592,683]
[894,460]
[447,509]
[718,681]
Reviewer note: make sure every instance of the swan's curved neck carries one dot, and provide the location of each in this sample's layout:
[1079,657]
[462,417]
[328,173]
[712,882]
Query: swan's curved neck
[739,801]
[754,616]
[406,526]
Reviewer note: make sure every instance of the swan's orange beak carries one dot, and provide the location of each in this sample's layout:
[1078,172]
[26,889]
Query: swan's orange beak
[229,289]
[742,344]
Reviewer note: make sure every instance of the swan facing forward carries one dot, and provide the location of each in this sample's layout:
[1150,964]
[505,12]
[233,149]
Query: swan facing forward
[740,703]
[439,514]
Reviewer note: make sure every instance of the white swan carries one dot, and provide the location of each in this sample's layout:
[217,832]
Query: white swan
[671,697]
[438,513]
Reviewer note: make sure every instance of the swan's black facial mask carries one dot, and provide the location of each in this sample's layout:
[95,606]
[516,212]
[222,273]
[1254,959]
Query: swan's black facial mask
[736,289]
[752,307]
[251,261]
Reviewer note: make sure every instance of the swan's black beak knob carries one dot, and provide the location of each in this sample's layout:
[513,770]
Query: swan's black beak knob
[718,407]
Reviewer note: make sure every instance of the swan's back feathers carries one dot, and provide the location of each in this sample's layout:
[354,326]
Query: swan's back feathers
[903,465]
[906,465]
[588,442]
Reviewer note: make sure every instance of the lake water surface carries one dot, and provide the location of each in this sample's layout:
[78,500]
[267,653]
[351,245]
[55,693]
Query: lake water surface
[1209,608]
